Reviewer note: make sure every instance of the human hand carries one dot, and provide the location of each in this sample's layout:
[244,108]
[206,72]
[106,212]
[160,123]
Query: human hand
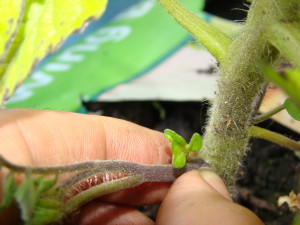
[48,138]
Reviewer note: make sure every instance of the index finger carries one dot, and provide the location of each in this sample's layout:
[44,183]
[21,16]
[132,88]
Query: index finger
[42,137]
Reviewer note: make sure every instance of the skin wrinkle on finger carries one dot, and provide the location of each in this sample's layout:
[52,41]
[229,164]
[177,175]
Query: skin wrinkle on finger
[105,138]
[75,138]
[27,146]
[118,134]
[15,151]
[34,137]
[163,150]
[52,140]
[144,150]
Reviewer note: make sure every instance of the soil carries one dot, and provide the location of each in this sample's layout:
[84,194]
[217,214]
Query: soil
[268,171]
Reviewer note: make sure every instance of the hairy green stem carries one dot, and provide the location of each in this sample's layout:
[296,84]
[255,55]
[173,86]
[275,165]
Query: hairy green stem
[241,80]
[164,173]
[267,115]
[258,132]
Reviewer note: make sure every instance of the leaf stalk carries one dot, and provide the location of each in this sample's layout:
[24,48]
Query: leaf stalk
[267,115]
[216,41]
[258,132]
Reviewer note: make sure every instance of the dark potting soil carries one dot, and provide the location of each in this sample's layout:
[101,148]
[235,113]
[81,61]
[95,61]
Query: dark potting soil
[268,171]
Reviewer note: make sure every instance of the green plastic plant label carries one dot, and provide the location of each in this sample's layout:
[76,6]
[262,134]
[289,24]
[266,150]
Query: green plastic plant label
[132,43]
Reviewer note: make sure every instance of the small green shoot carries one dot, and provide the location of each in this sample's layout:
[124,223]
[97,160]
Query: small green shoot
[160,109]
[180,149]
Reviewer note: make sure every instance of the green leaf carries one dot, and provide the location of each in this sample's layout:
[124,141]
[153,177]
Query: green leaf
[286,38]
[290,82]
[26,197]
[10,188]
[10,20]
[44,216]
[45,26]
[176,149]
[292,109]
[179,147]
[175,138]
[179,160]
[195,144]
[44,185]
[49,202]
[47,210]
[216,41]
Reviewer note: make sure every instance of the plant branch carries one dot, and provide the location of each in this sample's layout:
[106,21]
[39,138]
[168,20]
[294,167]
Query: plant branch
[216,41]
[151,173]
[258,132]
[267,115]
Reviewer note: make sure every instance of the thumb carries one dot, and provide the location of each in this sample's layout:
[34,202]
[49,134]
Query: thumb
[200,197]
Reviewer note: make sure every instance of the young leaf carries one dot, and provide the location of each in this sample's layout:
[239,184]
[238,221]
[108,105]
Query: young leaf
[45,26]
[290,82]
[26,197]
[173,137]
[176,149]
[195,144]
[179,147]
[292,109]
[46,211]
[286,39]
[44,185]
[9,190]
[216,42]
[179,160]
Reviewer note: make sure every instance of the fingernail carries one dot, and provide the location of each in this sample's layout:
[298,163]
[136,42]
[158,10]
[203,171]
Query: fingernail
[208,172]
[213,179]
